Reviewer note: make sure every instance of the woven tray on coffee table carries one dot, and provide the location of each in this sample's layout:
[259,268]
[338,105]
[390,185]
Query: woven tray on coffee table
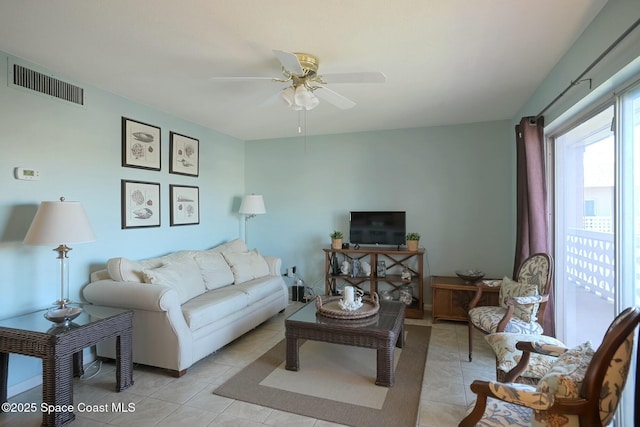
[330,307]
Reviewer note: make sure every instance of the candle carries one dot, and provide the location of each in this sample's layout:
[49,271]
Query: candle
[348,294]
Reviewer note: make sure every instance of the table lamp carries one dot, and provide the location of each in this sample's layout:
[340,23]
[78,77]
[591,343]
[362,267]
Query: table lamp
[60,223]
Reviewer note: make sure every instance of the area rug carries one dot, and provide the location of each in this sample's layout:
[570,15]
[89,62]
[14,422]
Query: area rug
[336,383]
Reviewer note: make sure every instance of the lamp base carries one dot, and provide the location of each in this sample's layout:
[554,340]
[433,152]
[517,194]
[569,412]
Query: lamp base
[62,316]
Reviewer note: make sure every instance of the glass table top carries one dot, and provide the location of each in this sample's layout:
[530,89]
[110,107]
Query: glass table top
[383,320]
[36,321]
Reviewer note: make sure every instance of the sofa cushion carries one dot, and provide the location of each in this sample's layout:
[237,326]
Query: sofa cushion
[259,289]
[237,245]
[246,265]
[173,257]
[216,273]
[183,276]
[125,270]
[213,306]
[510,289]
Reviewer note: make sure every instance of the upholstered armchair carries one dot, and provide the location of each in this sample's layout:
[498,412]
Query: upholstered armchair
[582,388]
[521,303]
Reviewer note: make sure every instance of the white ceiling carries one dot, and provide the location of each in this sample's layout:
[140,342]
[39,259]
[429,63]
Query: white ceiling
[446,61]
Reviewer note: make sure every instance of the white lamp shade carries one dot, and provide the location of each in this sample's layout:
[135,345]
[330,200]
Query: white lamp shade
[59,223]
[252,204]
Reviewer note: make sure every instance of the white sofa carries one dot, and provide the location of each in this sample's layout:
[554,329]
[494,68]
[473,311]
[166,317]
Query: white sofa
[188,304]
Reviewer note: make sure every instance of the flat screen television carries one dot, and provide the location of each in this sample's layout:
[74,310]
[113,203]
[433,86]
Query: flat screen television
[377,227]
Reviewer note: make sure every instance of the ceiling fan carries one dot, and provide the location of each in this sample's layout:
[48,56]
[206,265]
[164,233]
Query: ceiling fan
[301,69]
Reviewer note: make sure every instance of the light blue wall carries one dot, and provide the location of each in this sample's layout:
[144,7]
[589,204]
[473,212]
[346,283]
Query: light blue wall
[78,152]
[456,184]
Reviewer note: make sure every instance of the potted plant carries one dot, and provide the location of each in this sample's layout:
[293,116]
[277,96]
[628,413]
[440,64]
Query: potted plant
[412,241]
[336,239]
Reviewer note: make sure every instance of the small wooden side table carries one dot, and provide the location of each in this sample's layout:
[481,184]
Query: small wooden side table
[59,347]
[451,298]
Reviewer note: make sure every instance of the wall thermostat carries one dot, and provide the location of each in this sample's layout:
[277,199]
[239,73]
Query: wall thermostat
[27,174]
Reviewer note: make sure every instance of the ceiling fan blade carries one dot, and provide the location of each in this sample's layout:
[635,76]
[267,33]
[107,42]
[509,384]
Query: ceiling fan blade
[363,77]
[334,98]
[241,79]
[289,61]
[274,99]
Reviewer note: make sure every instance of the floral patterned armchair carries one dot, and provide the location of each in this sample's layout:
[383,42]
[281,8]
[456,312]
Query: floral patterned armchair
[522,302]
[582,388]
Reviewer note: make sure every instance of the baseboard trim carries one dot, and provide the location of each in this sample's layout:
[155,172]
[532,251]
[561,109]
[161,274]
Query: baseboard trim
[24,386]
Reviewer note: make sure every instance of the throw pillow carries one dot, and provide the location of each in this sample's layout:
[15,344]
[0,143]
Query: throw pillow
[510,289]
[564,379]
[216,273]
[185,278]
[125,270]
[503,345]
[246,265]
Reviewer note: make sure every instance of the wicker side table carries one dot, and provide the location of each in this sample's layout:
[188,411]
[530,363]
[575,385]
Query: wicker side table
[60,347]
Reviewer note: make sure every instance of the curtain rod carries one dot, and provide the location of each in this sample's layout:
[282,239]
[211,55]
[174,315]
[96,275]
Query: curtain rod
[593,64]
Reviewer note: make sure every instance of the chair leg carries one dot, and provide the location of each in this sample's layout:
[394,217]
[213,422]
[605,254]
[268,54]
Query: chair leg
[470,328]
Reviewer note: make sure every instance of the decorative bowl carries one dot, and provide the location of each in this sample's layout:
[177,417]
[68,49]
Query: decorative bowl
[62,316]
[470,276]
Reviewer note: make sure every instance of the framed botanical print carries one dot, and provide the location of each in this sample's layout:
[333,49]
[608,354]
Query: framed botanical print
[184,154]
[140,145]
[140,204]
[185,205]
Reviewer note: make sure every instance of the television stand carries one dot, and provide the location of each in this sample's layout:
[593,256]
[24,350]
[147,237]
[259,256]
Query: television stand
[388,282]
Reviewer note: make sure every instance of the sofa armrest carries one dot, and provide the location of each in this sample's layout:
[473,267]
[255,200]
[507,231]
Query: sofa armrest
[131,295]
[275,264]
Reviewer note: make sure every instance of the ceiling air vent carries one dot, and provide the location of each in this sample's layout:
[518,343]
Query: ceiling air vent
[47,85]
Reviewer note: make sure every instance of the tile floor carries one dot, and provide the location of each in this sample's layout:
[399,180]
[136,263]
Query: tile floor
[161,400]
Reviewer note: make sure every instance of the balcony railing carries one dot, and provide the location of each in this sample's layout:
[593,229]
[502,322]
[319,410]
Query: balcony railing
[590,261]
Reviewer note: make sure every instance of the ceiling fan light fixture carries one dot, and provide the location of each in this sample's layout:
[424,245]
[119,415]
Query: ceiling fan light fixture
[304,98]
[313,102]
[302,95]
[288,96]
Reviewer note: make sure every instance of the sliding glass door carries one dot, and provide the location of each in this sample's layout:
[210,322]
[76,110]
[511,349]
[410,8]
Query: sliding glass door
[596,217]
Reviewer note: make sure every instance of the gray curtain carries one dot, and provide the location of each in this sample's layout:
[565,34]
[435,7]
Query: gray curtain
[531,222]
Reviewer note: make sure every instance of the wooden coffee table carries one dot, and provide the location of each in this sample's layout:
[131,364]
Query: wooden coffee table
[383,331]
